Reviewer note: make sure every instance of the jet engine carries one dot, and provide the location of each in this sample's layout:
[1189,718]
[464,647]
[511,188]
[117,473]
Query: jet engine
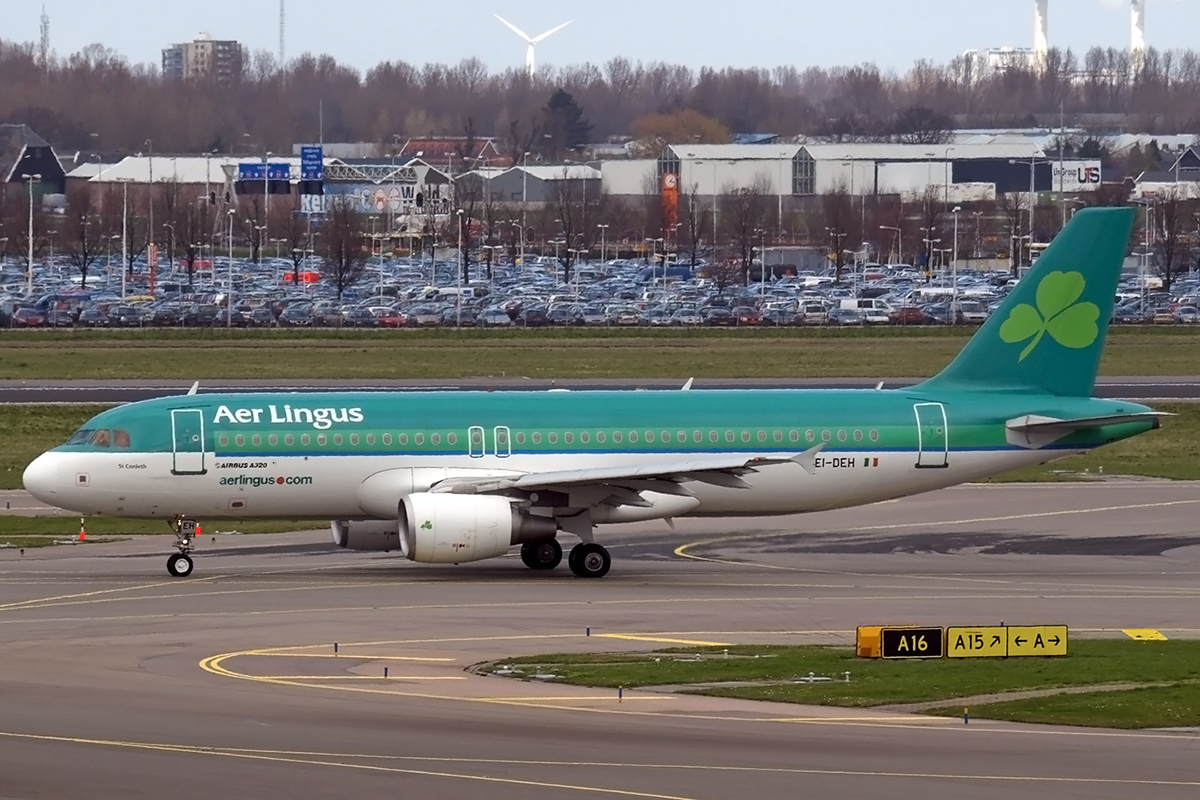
[366,535]
[454,528]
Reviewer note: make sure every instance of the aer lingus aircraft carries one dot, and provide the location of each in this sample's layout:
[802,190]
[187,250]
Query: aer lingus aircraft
[451,477]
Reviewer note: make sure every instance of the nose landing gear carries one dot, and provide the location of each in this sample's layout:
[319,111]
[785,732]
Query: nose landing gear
[179,565]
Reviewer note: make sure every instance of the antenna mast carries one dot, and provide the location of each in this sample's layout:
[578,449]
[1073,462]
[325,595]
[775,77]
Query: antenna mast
[44,49]
[281,34]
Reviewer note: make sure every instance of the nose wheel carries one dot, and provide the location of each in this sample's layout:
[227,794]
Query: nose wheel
[180,564]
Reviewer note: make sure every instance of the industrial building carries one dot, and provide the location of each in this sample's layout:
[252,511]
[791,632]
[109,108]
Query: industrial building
[536,185]
[24,153]
[951,172]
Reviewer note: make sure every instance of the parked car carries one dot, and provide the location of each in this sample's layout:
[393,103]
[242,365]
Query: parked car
[746,316]
[909,315]
[718,316]
[687,318]
[847,316]
[28,318]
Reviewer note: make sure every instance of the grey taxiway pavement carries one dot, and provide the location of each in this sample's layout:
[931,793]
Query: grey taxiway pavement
[126,391]
[117,681]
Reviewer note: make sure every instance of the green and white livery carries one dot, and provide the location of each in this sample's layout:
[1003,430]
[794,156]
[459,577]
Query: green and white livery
[451,477]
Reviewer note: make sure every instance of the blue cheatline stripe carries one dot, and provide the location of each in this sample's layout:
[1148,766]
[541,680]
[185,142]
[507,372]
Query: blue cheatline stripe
[680,453]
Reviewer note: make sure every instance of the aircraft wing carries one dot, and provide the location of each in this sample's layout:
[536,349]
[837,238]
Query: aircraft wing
[716,470]
[1035,431]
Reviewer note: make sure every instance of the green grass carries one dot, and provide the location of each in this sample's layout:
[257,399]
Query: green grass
[1172,451]
[1161,707]
[878,682]
[545,354]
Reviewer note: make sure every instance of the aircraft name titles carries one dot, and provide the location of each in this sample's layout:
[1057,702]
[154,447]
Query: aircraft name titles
[319,418]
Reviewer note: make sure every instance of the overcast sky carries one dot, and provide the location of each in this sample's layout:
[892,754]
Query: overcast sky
[766,33]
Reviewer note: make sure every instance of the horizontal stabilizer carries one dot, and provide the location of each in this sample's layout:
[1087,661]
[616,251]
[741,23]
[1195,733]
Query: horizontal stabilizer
[1035,431]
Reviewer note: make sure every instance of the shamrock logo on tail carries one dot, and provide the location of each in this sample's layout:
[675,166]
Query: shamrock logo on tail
[1068,322]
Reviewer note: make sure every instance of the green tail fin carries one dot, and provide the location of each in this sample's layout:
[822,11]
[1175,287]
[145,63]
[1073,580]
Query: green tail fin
[1049,334]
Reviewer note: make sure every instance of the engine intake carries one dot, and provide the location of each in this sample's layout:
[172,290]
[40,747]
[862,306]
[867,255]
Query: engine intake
[452,529]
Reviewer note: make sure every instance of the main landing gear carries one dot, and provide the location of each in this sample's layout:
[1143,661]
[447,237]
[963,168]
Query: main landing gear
[587,560]
[179,565]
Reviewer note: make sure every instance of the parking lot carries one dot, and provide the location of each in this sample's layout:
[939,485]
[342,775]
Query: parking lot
[416,293]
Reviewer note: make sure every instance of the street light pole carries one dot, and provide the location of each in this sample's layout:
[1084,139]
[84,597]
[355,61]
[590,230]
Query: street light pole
[524,200]
[30,180]
[603,251]
[954,263]
[461,262]
[229,275]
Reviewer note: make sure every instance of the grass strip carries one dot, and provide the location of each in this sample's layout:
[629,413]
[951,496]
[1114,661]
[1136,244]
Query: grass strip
[544,354]
[1173,706]
[877,682]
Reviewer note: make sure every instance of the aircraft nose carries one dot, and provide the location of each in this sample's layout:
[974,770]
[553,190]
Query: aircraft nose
[42,478]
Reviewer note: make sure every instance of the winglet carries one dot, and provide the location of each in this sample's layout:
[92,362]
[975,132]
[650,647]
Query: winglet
[687,387]
[195,388]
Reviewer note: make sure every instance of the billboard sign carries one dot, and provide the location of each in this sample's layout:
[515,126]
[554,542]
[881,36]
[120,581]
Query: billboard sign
[1075,176]
[312,163]
[254,172]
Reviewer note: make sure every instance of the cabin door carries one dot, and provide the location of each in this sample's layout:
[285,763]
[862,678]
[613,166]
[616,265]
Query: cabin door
[187,435]
[933,436]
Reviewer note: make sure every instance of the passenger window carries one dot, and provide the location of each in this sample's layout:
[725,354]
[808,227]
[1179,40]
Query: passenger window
[762,436]
[520,438]
[617,436]
[419,439]
[121,439]
[745,436]
[477,438]
[354,438]
[568,437]
[585,437]
[779,436]
[841,436]
[272,440]
[403,438]
[794,436]
[305,439]
[633,437]
[552,437]
[826,436]
[288,440]
[682,437]
[451,438]
[370,438]
[666,437]
[322,439]
[223,440]
[337,438]
[102,438]
[537,438]
[649,437]
[810,436]
[713,436]
[729,436]
[698,436]
[257,440]
[435,438]
[239,440]
[858,436]
[874,436]
[600,437]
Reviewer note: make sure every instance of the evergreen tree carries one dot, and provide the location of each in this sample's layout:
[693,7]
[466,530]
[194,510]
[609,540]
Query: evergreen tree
[566,128]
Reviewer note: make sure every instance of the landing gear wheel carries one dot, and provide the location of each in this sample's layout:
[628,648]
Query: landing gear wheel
[542,554]
[589,561]
[179,565]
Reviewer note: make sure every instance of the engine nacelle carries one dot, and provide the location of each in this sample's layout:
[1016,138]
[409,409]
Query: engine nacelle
[366,535]
[454,528]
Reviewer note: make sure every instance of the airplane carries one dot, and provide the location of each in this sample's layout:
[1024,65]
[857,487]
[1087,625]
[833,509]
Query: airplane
[454,477]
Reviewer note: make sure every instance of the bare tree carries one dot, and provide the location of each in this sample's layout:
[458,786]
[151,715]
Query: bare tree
[343,245]
[838,213]
[84,232]
[696,220]
[1172,226]
[743,215]
[1011,209]
[578,212]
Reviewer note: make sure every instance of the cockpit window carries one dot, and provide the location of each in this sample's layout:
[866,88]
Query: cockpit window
[101,438]
[81,436]
[121,439]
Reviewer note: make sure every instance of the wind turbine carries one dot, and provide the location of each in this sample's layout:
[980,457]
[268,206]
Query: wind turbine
[529,54]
